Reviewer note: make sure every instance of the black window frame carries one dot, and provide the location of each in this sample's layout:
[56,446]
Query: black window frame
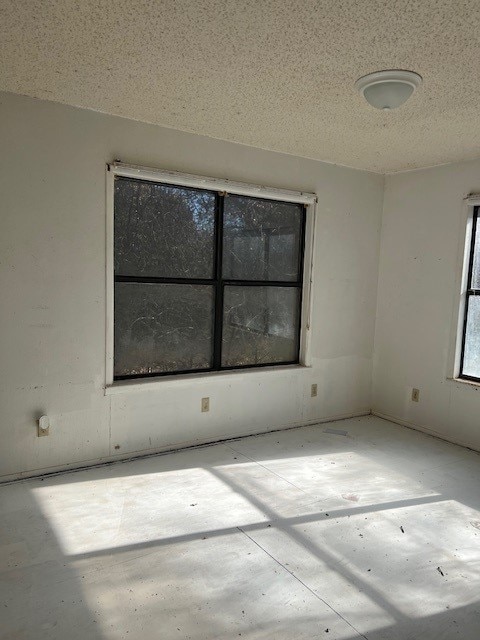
[470,291]
[219,283]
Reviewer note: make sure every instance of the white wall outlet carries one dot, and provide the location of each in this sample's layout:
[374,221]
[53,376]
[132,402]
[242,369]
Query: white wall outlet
[415,395]
[43,427]
[205,405]
[314,391]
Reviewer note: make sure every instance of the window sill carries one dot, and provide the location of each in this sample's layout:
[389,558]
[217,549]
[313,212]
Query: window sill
[150,384]
[469,383]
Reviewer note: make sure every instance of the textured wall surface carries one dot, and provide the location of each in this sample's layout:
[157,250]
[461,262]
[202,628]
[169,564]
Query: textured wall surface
[271,74]
[52,315]
[418,297]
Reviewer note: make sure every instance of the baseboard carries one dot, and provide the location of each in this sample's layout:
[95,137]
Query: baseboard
[428,430]
[148,453]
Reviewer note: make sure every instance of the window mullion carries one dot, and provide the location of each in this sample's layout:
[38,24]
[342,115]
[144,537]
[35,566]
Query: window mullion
[163,280]
[218,316]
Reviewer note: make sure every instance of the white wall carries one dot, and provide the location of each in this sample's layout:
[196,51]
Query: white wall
[52,315]
[422,225]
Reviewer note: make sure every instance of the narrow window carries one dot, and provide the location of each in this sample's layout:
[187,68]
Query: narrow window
[470,357]
[204,281]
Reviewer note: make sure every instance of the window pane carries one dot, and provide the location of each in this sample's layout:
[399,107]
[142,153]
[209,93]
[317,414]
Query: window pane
[261,239]
[260,325]
[163,230]
[471,357]
[162,327]
[476,258]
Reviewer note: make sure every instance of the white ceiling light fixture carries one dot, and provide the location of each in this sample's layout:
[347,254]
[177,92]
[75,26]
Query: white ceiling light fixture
[388,89]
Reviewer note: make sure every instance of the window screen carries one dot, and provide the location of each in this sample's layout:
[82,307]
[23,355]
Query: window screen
[470,357]
[204,281]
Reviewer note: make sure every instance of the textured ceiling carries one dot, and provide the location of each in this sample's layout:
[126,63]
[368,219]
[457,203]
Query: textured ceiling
[276,74]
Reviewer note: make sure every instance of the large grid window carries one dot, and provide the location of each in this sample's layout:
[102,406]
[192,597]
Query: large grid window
[204,281]
[470,357]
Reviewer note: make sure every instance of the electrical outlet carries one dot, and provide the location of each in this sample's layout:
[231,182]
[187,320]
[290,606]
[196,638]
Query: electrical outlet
[314,391]
[415,395]
[43,426]
[205,405]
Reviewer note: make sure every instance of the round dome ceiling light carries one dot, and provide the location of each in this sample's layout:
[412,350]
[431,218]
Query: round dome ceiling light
[388,89]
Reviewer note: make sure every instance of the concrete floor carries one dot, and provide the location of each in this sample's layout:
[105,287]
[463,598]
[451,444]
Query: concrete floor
[301,534]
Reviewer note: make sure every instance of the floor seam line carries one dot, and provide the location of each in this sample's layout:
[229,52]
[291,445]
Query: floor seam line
[272,472]
[316,595]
